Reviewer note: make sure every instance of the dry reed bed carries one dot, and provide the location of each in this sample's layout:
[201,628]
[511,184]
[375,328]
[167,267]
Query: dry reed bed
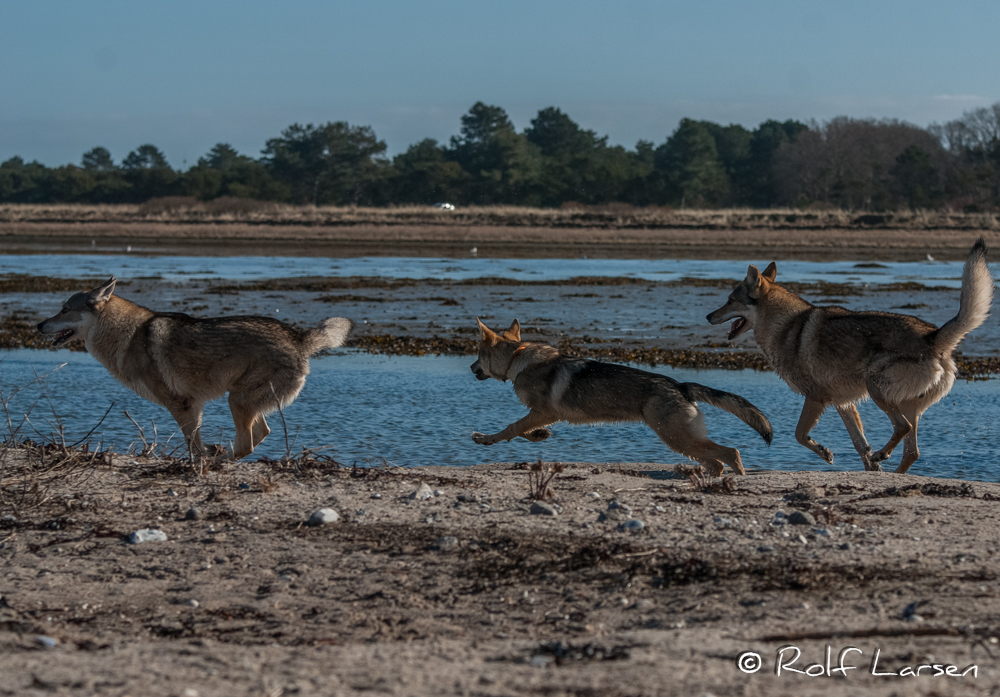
[187,211]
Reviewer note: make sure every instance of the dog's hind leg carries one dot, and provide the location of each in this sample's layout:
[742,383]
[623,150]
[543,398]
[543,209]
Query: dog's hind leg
[811,411]
[852,420]
[683,430]
[712,456]
[901,425]
[187,414]
[910,450]
[259,431]
[243,420]
[531,427]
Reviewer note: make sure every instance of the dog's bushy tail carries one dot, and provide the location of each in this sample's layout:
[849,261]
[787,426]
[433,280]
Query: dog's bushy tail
[734,404]
[974,305]
[331,333]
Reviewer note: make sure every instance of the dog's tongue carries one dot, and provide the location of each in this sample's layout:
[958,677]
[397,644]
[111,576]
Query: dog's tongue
[736,326]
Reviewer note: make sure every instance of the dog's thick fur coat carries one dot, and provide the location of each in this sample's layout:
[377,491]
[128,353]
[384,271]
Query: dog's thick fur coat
[182,362]
[836,356]
[562,388]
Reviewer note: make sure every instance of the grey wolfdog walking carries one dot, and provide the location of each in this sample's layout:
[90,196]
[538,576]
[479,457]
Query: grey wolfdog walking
[561,388]
[182,362]
[836,356]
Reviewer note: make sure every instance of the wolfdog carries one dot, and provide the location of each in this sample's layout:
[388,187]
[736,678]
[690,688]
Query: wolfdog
[181,362]
[836,356]
[562,388]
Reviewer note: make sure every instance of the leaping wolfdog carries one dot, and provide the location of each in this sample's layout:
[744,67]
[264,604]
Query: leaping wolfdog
[182,362]
[561,388]
[836,356]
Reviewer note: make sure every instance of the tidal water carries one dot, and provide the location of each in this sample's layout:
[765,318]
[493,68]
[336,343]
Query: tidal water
[180,268]
[410,411]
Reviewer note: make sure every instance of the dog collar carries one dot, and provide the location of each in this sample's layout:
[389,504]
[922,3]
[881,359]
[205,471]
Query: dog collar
[516,351]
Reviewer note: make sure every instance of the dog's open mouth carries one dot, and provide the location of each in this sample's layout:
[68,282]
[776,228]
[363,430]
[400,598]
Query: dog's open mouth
[738,324]
[63,336]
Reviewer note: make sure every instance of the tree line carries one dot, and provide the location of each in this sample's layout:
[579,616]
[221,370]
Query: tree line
[856,164]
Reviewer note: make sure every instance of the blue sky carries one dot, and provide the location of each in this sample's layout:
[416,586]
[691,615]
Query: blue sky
[186,75]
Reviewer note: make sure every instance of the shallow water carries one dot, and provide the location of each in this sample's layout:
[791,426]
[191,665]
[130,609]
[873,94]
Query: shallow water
[180,268]
[420,411]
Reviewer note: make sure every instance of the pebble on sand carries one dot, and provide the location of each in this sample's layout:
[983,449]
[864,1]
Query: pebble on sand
[800,518]
[633,525]
[147,535]
[322,516]
[422,493]
[542,508]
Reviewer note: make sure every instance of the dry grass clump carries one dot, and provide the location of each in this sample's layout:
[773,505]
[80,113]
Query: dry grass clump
[540,477]
[29,470]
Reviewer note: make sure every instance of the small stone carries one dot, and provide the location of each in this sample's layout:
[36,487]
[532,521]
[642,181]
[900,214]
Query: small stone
[171,492]
[779,518]
[8,519]
[147,535]
[802,539]
[612,505]
[322,516]
[438,492]
[542,508]
[422,493]
[764,549]
[46,642]
[800,518]
[244,486]
[192,603]
[593,495]
[633,525]
[914,618]
[445,544]
[376,496]
[193,514]
[643,604]
[845,546]
[723,523]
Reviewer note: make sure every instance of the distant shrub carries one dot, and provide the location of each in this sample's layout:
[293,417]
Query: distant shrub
[169,204]
[238,206]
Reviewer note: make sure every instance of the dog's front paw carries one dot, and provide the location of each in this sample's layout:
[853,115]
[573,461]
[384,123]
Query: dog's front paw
[826,454]
[482,438]
[538,434]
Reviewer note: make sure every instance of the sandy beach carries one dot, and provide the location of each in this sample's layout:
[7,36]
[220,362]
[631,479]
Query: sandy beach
[464,587]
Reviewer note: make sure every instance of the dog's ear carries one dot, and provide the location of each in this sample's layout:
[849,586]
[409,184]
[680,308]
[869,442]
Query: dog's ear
[753,276]
[489,335]
[770,272]
[102,292]
[514,333]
